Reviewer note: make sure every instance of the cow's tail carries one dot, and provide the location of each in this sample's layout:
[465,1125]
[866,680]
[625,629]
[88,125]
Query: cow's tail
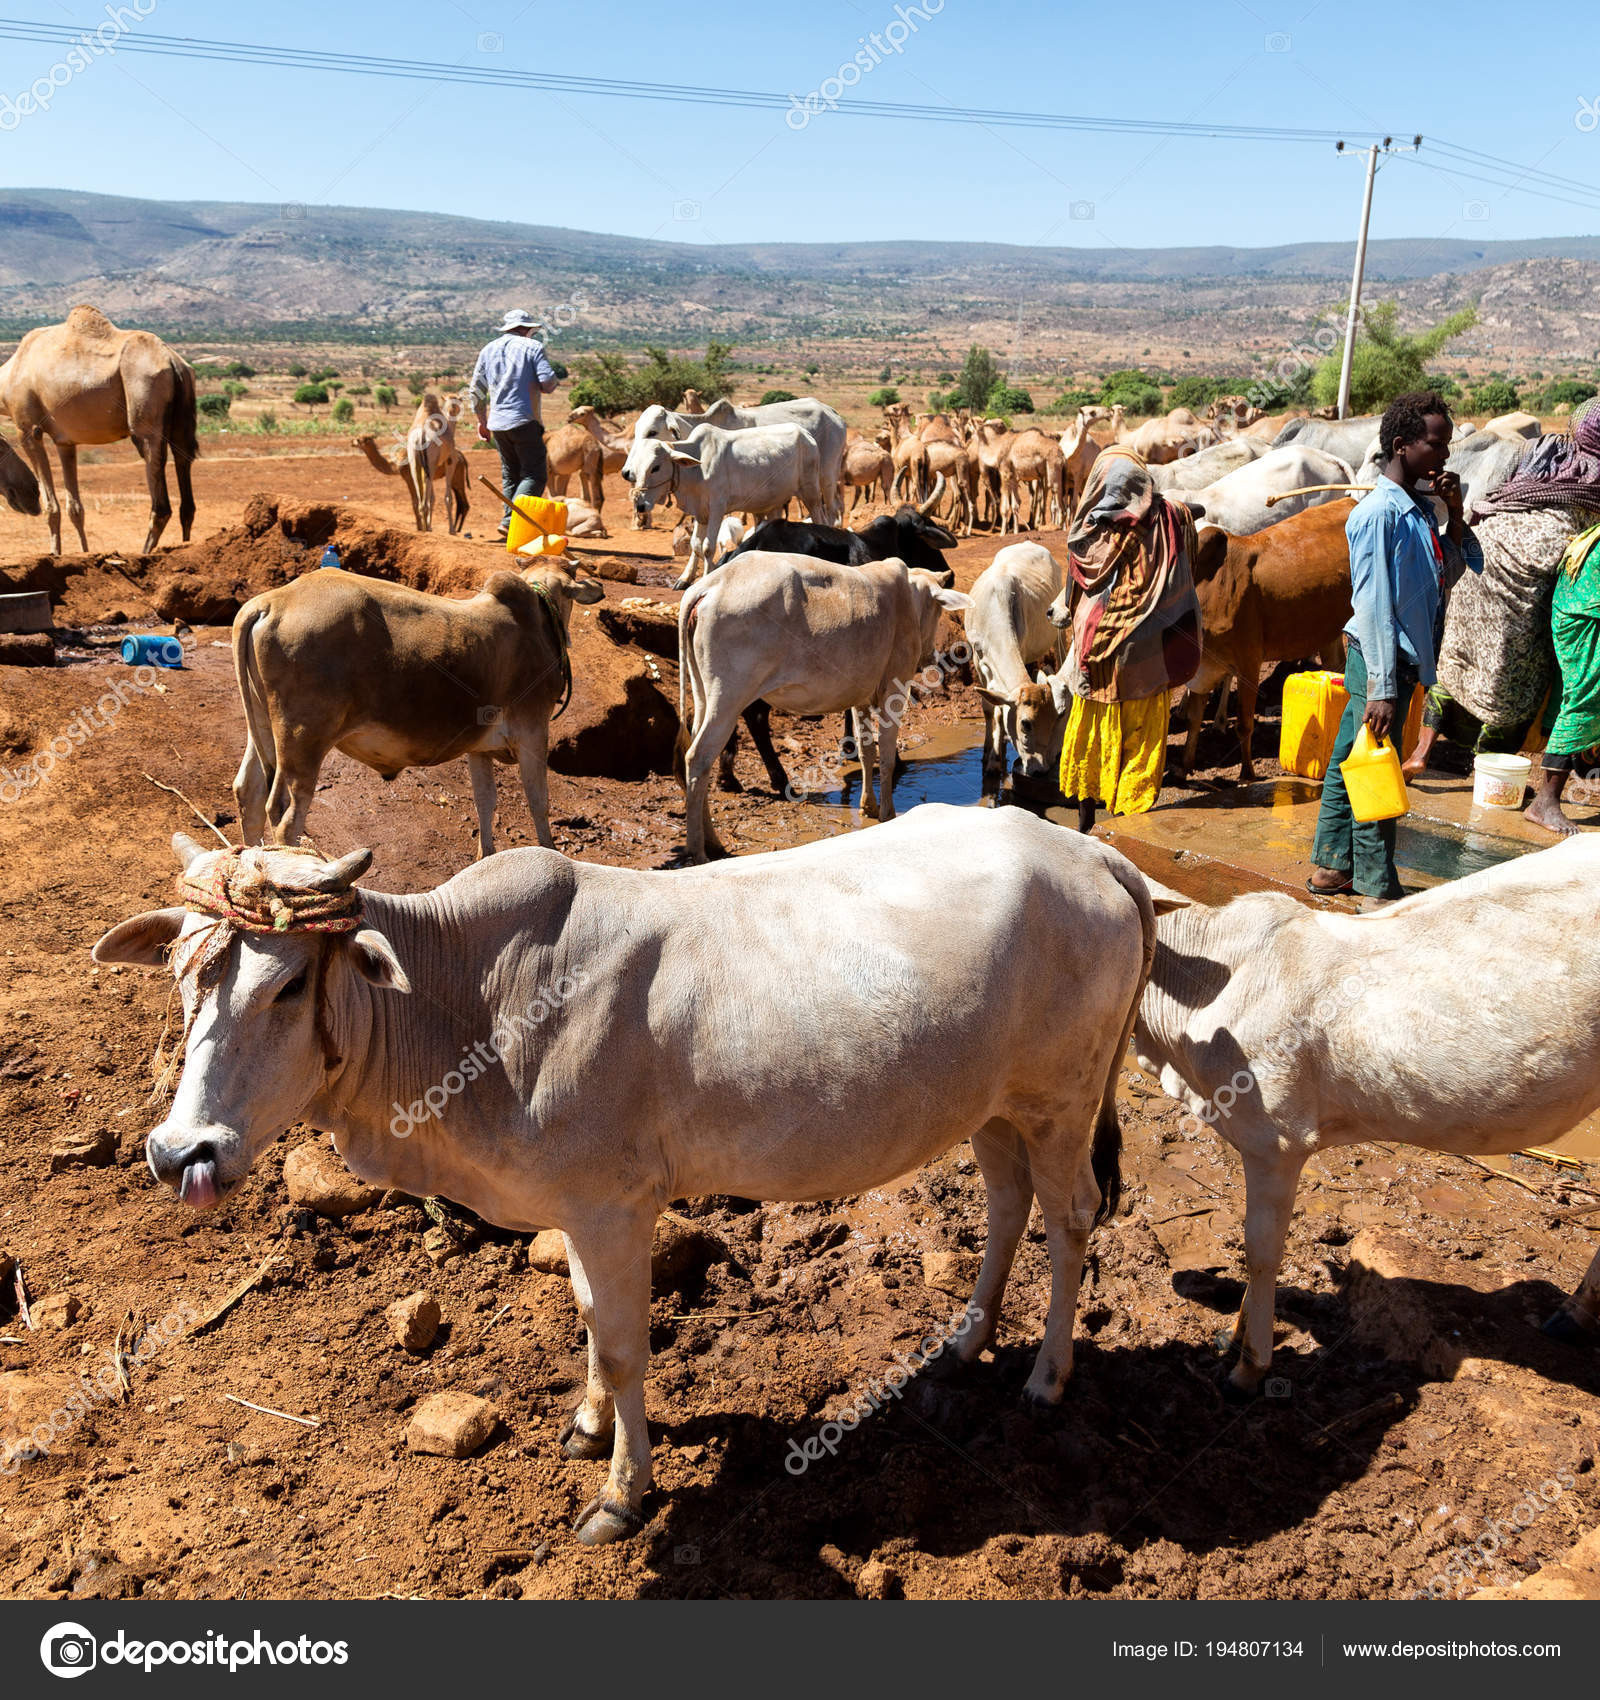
[253,694]
[1106,1154]
[688,692]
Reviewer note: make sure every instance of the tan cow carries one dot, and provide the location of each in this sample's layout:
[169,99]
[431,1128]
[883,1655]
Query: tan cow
[396,679]
[1009,629]
[808,637]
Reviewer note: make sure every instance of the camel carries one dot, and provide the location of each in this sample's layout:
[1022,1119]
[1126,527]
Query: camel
[452,473]
[866,464]
[17,483]
[691,402]
[569,450]
[910,454]
[936,428]
[613,450]
[1078,452]
[959,471]
[990,441]
[1034,458]
[86,382]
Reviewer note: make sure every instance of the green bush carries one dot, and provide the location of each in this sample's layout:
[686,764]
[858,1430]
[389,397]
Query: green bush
[266,422]
[1195,393]
[359,389]
[384,396]
[238,369]
[344,410]
[310,395]
[215,406]
[1386,361]
[297,368]
[1495,396]
[1564,393]
[1004,399]
[233,389]
[889,395]
[417,385]
[323,375]
[943,378]
[812,368]
[1069,401]
[610,385]
[777,395]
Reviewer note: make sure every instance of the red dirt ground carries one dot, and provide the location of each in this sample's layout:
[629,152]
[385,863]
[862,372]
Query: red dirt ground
[1411,1411]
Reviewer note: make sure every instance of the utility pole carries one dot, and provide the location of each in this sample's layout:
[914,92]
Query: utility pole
[1385,146]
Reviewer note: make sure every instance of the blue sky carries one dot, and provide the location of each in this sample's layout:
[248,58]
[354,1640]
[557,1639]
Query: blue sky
[141,125]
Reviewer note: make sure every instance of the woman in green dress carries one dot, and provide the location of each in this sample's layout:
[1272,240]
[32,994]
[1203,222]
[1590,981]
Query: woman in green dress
[1574,745]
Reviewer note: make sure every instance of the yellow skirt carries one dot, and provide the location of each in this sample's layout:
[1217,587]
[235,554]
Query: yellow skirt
[1115,752]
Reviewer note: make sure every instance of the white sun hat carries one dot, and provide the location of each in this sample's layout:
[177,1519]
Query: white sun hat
[517,320]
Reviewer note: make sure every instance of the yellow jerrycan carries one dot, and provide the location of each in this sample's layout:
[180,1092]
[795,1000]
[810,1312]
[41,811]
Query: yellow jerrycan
[540,521]
[1373,779]
[1313,704]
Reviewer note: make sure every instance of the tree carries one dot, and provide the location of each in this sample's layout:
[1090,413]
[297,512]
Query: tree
[1386,361]
[610,385]
[309,395]
[1069,401]
[344,410]
[1194,392]
[1494,395]
[266,422]
[1004,399]
[324,373]
[777,395]
[238,369]
[888,396]
[1565,393]
[297,369]
[233,389]
[416,384]
[886,374]
[215,406]
[979,375]
[385,397]
[812,368]
[1131,389]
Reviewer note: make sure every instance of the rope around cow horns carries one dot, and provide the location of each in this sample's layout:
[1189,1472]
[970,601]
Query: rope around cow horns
[242,898]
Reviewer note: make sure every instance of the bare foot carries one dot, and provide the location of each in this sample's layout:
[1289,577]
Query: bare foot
[1546,812]
[1414,768]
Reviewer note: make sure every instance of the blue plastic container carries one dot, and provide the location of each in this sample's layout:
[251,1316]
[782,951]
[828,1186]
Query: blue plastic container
[330,557]
[150,649]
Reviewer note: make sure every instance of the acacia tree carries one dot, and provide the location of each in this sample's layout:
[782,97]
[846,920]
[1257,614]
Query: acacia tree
[1387,361]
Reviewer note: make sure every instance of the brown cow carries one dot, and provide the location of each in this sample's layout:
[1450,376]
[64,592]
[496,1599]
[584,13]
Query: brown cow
[398,679]
[1274,595]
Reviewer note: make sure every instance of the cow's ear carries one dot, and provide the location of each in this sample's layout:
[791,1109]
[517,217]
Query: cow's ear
[588,590]
[374,960]
[683,456]
[1165,898]
[954,600]
[142,942]
[998,698]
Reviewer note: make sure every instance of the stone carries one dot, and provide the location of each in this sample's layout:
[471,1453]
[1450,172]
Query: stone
[318,1180]
[451,1425]
[683,1250]
[548,1252]
[94,1151]
[876,1581]
[952,1272]
[55,1310]
[415,1321]
[1574,1575]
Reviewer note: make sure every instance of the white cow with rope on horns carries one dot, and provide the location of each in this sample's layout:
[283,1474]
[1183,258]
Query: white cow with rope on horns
[650,1076]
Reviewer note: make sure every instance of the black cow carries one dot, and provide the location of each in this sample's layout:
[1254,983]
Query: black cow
[908,533]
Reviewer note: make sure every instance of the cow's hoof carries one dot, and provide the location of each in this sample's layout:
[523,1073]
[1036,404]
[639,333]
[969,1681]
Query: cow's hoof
[1222,1341]
[1036,1405]
[684,582]
[1566,1328]
[579,1443]
[1233,1393]
[729,781]
[603,1521]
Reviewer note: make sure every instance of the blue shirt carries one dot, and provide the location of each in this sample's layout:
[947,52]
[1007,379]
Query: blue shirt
[1399,569]
[511,375]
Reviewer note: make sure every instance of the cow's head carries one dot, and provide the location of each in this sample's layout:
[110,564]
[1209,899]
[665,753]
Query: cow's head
[912,534]
[1035,717]
[17,482]
[652,469]
[259,1008]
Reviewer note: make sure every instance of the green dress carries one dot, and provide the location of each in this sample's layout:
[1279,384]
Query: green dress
[1575,626]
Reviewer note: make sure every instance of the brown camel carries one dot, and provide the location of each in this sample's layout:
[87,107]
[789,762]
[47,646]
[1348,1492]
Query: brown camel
[959,470]
[17,483]
[570,450]
[452,474]
[865,464]
[431,454]
[85,382]
[613,450]
[910,454]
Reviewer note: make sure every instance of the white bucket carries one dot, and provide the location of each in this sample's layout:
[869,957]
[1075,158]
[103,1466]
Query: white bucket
[1498,782]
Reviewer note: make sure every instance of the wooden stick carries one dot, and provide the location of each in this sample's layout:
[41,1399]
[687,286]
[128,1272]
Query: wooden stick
[485,482]
[22,1300]
[227,1304]
[1506,1175]
[1312,489]
[1559,1158]
[177,793]
[267,1411]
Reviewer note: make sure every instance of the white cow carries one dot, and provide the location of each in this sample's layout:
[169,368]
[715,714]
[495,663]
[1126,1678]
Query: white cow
[827,428]
[714,473]
[1197,470]
[1237,502]
[581,1044]
[1009,631]
[806,636]
[1292,1030]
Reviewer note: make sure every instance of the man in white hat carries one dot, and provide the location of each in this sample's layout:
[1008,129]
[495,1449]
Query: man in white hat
[511,374]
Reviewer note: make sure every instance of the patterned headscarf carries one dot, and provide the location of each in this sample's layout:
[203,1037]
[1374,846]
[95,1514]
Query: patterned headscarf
[1558,471]
[1135,619]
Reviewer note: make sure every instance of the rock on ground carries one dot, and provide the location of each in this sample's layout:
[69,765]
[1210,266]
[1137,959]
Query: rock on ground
[414,1321]
[317,1179]
[55,1310]
[451,1425]
[548,1252]
[952,1272]
[1575,1575]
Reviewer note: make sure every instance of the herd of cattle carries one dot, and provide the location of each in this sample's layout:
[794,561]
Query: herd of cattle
[811,1023]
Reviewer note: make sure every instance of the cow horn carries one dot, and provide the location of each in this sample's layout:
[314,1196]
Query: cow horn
[342,874]
[186,849]
[933,501]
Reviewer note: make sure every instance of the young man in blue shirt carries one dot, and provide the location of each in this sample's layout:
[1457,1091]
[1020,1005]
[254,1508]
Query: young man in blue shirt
[511,375]
[1397,581]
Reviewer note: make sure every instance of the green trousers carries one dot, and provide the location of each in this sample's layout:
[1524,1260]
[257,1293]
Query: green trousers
[1362,849]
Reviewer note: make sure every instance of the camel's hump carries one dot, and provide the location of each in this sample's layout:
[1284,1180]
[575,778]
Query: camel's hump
[90,323]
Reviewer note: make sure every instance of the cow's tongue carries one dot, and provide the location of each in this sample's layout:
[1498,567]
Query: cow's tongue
[199,1185]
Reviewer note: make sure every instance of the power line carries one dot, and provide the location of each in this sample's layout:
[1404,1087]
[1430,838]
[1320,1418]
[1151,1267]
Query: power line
[308,59]
[1592,205]
[1532,171]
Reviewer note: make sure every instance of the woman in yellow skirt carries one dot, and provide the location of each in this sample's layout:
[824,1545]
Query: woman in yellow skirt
[1135,635]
